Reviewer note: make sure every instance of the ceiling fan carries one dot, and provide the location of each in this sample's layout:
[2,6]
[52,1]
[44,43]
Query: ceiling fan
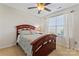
[40,7]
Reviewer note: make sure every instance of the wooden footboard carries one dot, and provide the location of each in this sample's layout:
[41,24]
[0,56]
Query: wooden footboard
[44,45]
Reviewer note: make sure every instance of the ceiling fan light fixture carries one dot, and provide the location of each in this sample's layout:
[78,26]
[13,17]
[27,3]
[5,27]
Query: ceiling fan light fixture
[40,6]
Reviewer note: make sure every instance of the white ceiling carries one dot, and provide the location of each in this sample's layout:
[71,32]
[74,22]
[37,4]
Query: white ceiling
[53,6]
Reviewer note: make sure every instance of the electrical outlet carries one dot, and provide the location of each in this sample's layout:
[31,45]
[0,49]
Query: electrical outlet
[76,42]
[72,11]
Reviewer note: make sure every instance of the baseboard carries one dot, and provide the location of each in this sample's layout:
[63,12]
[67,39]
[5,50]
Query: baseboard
[76,49]
[7,45]
[61,45]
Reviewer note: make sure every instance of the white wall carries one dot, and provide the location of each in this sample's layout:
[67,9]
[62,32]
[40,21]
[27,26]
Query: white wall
[76,28]
[9,19]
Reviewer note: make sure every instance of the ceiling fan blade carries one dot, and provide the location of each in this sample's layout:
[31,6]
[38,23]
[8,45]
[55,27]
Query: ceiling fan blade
[39,11]
[47,4]
[31,7]
[47,9]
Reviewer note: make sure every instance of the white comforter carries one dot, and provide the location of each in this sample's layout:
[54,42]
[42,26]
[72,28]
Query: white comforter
[25,40]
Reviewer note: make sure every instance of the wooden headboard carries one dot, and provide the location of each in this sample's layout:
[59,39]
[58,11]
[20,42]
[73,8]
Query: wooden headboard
[28,27]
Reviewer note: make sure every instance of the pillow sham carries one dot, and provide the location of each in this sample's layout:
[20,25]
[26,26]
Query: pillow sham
[35,32]
[25,32]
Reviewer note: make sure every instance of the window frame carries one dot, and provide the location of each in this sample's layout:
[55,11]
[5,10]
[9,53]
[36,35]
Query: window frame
[56,26]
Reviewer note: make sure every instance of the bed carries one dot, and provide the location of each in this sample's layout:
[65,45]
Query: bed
[35,44]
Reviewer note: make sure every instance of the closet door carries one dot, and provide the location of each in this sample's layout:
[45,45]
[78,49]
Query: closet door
[68,32]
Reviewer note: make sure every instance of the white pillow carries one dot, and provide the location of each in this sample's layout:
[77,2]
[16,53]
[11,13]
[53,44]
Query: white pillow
[25,32]
[35,32]
[19,31]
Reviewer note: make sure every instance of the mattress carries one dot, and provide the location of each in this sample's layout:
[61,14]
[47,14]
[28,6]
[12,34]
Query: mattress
[25,42]
[30,38]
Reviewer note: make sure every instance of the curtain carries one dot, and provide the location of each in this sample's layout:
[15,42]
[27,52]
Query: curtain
[68,32]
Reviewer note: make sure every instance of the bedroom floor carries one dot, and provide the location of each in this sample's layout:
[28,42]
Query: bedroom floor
[17,51]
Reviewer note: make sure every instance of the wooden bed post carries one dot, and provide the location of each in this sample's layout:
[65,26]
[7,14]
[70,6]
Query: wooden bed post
[45,49]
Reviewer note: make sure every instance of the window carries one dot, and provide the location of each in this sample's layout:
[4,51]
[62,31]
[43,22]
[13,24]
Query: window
[56,25]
